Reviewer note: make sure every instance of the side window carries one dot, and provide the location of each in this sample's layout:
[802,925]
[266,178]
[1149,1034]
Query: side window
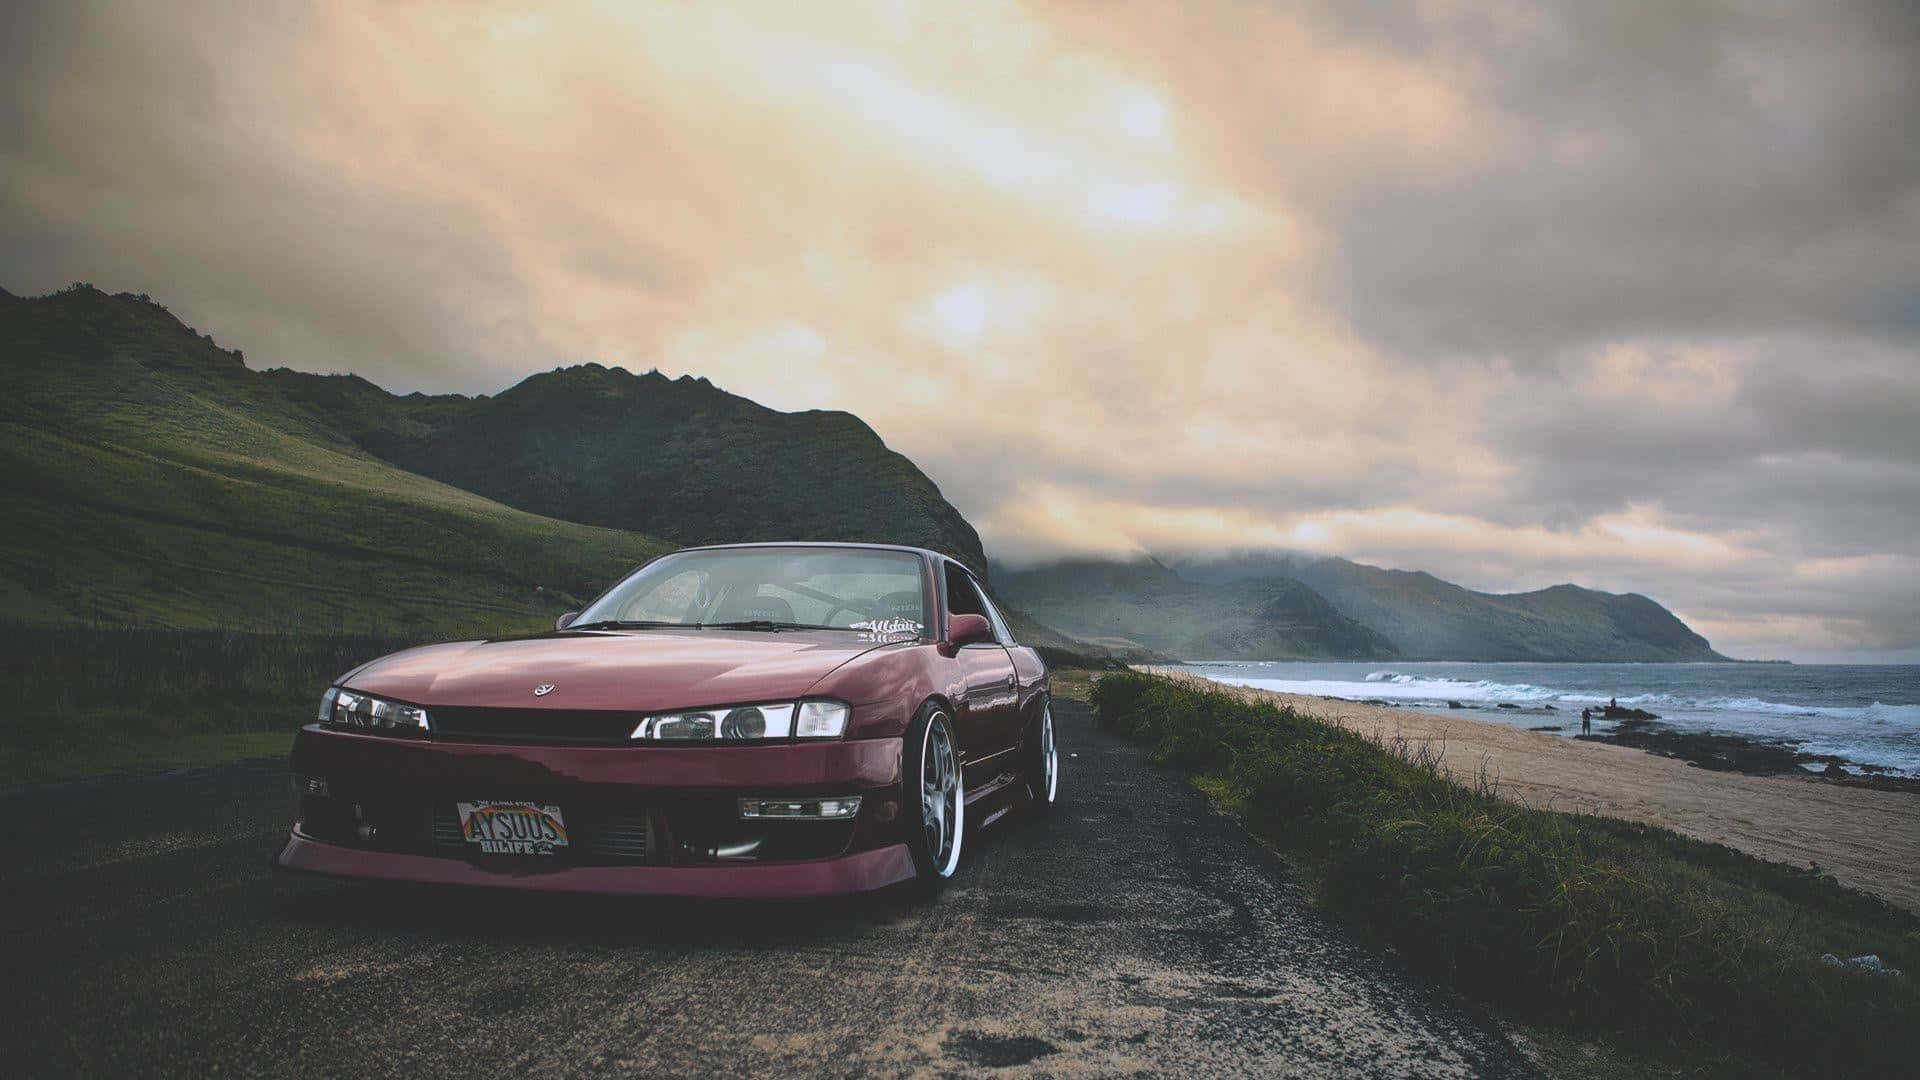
[964,598]
[1000,628]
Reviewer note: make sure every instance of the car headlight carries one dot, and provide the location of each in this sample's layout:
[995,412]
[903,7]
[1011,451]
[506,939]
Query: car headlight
[352,709]
[743,723]
[821,720]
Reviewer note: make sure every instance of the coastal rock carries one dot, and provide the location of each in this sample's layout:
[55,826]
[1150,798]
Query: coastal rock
[1615,712]
[1455,705]
[1711,750]
[1506,705]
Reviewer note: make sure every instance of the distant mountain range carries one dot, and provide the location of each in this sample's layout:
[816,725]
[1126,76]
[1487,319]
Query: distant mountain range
[1430,618]
[1146,605]
[154,479]
[1273,607]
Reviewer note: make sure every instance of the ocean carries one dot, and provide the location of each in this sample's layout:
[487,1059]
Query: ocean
[1868,715]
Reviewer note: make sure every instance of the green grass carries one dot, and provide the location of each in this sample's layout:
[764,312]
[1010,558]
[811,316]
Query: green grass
[1692,952]
[139,754]
[103,534]
[94,701]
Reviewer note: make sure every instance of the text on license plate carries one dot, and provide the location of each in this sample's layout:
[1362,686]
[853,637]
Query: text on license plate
[512,828]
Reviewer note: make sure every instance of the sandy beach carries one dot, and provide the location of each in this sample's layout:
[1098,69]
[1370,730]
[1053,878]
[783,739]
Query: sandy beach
[1865,838]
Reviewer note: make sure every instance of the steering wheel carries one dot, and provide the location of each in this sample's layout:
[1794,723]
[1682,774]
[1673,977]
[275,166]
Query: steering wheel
[827,619]
[853,606]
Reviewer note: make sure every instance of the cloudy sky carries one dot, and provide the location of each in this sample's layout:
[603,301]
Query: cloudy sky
[1626,294]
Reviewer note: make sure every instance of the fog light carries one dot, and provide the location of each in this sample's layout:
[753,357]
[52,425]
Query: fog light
[362,828]
[832,809]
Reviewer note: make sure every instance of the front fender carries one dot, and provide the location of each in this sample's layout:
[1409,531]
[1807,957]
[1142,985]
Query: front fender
[885,687]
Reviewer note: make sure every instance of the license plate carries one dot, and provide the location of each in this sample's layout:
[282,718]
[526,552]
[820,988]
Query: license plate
[513,828]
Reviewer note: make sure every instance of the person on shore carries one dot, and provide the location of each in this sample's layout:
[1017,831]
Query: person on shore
[1613,703]
[1586,721]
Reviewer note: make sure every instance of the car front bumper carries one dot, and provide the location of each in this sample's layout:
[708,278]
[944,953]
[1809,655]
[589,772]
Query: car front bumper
[643,820]
[858,872]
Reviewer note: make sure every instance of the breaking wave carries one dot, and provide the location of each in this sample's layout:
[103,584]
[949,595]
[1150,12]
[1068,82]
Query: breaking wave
[1399,686]
[1902,715]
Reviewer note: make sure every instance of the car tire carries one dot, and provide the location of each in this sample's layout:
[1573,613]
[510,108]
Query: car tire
[933,796]
[1041,761]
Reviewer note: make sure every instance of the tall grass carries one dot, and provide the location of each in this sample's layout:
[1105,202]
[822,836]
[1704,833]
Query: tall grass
[1694,949]
[91,701]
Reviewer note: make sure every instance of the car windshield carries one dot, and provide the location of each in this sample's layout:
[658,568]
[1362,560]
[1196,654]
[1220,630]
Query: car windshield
[771,588]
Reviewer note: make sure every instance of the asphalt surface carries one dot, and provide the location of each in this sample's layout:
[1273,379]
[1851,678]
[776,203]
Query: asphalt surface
[1132,932]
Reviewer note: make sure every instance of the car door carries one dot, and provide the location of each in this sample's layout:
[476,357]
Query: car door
[990,727]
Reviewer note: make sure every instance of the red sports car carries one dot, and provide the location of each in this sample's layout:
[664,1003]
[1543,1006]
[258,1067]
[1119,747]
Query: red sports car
[742,720]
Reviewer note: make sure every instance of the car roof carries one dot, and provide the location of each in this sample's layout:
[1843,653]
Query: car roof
[924,552]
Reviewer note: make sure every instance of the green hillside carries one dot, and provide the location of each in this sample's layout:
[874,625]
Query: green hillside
[1145,605]
[154,480]
[676,457]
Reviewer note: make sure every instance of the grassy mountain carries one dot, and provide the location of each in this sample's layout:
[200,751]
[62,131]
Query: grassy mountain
[673,457]
[153,479]
[1145,605]
[156,480]
[1433,619]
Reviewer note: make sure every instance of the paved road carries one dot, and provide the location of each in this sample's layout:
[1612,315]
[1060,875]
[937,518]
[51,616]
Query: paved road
[1133,932]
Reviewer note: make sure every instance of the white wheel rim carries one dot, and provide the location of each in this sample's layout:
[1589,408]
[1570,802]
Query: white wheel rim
[943,806]
[1049,756]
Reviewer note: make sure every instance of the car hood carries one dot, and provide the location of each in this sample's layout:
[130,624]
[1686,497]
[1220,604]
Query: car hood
[639,670]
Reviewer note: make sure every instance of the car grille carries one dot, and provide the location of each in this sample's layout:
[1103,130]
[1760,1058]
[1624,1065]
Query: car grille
[626,836]
[579,727]
[598,837]
[446,830]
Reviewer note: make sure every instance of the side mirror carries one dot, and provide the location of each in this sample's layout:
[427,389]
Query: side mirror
[967,629]
[566,620]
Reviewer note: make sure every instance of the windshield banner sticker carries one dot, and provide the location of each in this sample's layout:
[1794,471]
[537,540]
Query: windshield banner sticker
[888,629]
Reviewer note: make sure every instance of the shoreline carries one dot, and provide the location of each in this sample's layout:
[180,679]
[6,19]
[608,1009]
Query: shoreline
[1731,731]
[1750,755]
[1866,836]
